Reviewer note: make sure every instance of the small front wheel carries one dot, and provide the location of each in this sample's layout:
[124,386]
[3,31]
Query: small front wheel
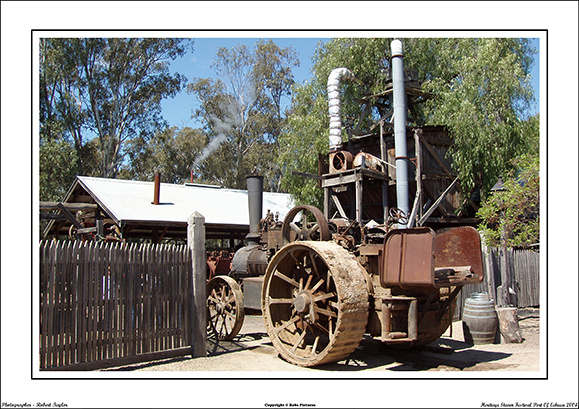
[225,311]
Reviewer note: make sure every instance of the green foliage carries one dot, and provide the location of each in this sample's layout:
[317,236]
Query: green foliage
[241,113]
[110,88]
[510,217]
[170,152]
[57,171]
[481,94]
[480,89]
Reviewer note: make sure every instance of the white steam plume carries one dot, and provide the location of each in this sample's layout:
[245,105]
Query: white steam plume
[222,128]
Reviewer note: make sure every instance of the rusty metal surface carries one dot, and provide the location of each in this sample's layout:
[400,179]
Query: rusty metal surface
[340,161]
[315,302]
[457,247]
[308,228]
[408,258]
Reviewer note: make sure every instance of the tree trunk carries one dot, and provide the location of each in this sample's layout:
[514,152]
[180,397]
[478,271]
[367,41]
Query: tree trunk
[509,325]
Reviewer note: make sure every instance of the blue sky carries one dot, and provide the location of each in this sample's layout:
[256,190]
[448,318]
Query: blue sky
[198,64]
[177,111]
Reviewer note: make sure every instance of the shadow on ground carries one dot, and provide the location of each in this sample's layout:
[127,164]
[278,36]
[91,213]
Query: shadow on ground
[442,355]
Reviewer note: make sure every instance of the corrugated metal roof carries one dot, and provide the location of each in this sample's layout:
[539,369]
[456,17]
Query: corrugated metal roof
[129,200]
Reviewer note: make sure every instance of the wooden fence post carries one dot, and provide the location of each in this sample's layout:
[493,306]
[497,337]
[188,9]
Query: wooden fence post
[196,243]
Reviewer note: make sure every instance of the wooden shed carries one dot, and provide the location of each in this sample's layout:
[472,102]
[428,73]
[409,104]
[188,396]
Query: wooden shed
[114,209]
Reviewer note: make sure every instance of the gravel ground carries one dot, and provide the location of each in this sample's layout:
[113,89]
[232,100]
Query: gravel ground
[252,350]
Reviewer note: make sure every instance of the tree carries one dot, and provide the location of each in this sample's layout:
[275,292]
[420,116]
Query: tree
[170,152]
[481,93]
[110,89]
[510,217]
[56,172]
[242,113]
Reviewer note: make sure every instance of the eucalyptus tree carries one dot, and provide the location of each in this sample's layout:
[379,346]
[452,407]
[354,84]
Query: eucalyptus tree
[242,113]
[169,152]
[108,90]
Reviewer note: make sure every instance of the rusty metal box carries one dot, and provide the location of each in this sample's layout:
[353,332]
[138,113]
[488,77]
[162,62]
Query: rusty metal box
[408,258]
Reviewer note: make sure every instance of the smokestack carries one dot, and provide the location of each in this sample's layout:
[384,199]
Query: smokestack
[399,102]
[334,80]
[157,189]
[255,204]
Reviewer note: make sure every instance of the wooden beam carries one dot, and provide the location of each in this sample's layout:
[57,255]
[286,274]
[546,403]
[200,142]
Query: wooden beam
[436,158]
[435,205]
[69,216]
[339,207]
[69,206]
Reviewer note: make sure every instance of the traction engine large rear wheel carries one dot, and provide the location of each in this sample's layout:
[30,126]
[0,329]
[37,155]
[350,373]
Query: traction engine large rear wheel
[314,302]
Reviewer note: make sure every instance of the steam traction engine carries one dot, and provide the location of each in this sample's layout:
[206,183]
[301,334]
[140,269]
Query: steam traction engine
[323,282]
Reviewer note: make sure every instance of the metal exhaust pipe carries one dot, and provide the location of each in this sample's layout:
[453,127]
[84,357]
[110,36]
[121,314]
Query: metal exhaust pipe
[399,102]
[334,80]
[157,192]
[255,205]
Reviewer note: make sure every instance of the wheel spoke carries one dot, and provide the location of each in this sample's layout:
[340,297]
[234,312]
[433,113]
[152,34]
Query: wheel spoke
[325,312]
[229,300]
[299,341]
[286,279]
[212,299]
[305,220]
[280,300]
[295,228]
[229,314]
[315,345]
[312,230]
[315,267]
[324,329]
[287,324]
[323,297]
[309,282]
[318,284]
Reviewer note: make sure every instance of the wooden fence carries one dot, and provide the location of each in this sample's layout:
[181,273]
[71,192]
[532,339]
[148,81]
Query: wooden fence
[519,269]
[109,303]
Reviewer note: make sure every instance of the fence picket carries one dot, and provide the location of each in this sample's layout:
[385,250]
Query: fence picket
[111,301]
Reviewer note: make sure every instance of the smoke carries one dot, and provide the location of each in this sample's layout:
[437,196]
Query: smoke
[221,128]
[208,150]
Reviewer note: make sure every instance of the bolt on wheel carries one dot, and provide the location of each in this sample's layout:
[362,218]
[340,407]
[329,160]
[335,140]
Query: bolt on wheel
[314,302]
[225,311]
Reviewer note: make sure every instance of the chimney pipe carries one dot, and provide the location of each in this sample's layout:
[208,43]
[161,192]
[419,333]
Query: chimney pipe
[399,102]
[334,80]
[255,204]
[157,188]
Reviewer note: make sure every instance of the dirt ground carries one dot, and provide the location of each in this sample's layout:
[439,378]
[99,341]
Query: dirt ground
[252,350]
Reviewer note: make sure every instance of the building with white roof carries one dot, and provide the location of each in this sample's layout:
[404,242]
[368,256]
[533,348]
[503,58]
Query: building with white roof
[127,206]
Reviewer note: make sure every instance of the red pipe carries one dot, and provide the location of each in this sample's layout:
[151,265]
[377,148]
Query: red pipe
[157,188]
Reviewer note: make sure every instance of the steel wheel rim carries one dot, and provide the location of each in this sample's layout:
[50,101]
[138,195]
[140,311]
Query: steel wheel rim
[309,318]
[225,311]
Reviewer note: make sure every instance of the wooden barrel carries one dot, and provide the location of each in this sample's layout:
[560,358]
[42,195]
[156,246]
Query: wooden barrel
[479,319]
